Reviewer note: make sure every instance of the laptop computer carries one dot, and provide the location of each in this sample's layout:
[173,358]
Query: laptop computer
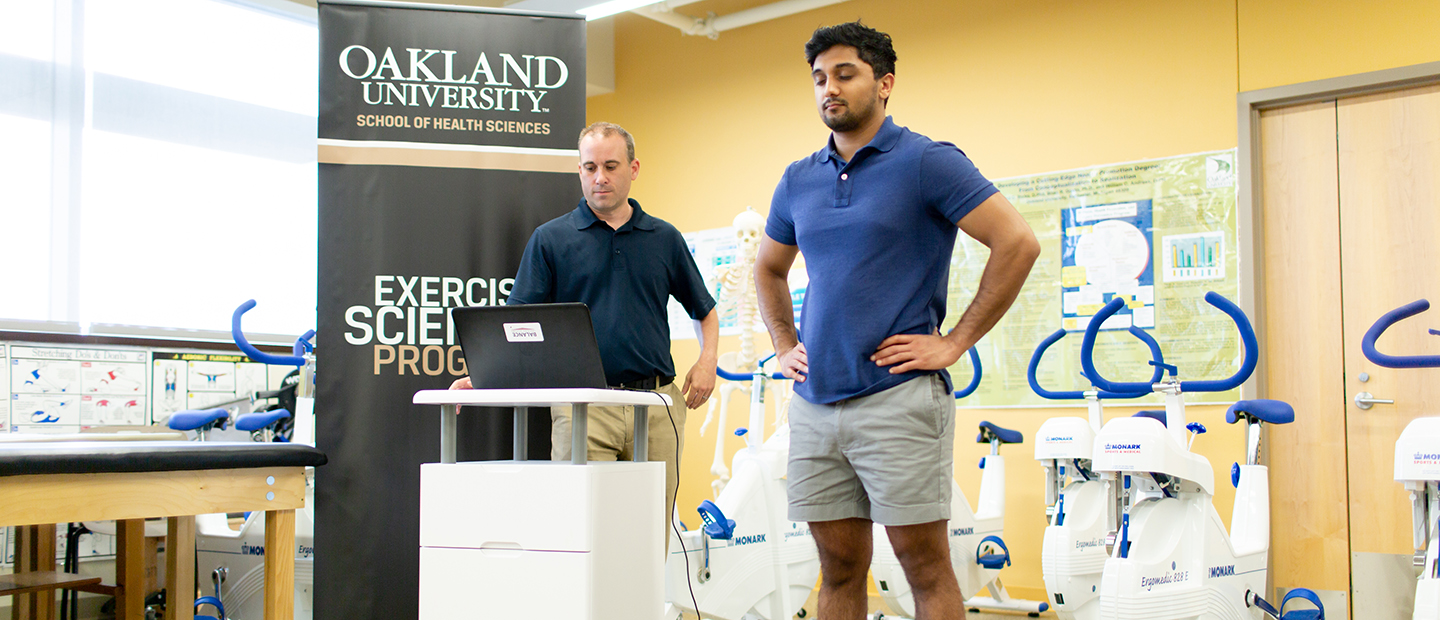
[529,346]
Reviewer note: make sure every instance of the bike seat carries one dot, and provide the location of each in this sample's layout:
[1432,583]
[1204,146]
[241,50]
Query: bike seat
[261,419]
[990,431]
[194,419]
[1265,410]
[1154,414]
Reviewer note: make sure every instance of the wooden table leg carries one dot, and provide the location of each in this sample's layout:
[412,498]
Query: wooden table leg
[180,568]
[279,565]
[21,605]
[130,569]
[34,551]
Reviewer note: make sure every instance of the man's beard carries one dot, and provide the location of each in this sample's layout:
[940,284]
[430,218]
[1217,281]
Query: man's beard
[851,120]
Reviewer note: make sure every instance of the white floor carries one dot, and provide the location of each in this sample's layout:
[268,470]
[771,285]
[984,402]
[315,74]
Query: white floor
[877,605]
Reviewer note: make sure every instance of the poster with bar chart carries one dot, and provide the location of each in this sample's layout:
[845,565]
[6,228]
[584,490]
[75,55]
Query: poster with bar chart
[1160,233]
[1193,257]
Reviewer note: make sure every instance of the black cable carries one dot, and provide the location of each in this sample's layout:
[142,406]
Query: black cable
[670,514]
[670,510]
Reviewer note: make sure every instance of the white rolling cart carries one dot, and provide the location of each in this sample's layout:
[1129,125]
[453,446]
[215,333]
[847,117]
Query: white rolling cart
[537,539]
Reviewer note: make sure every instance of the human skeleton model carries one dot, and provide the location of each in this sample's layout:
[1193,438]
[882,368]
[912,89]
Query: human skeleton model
[737,292]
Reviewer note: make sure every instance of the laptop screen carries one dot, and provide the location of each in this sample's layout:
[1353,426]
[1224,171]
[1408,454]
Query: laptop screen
[529,346]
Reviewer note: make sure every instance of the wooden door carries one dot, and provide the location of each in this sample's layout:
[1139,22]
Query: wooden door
[1351,216]
[1302,352]
[1389,165]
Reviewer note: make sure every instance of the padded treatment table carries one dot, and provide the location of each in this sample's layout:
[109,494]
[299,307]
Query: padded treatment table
[128,481]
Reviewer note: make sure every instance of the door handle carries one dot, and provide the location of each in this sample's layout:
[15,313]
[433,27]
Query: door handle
[1366,400]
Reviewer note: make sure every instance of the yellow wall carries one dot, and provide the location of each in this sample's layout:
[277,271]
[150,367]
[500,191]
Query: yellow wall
[1292,41]
[1024,87]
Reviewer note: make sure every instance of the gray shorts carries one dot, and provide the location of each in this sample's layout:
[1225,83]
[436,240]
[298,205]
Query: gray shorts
[888,457]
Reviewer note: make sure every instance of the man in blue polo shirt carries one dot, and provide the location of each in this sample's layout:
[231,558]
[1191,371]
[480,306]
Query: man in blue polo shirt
[875,212]
[625,265]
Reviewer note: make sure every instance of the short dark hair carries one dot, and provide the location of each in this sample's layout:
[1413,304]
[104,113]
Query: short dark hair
[874,47]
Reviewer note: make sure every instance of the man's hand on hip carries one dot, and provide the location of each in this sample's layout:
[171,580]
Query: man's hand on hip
[794,363]
[699,383]
[907,352]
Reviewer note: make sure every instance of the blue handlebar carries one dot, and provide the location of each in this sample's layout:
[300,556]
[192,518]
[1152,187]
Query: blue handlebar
[974,377]
[302,344]
[1367,344]
[1155,356]
[739,376]
[1247,340]
[250,350]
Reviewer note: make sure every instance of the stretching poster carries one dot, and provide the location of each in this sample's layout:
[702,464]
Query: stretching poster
[1159,234]
[447,135]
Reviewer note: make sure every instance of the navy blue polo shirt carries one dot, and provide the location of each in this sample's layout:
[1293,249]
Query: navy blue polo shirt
[877,234]
[626,276]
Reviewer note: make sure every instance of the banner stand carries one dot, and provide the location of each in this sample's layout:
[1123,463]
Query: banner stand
[446,135]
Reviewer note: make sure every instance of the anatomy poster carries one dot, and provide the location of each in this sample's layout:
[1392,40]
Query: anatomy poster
[189,380]
[716,254]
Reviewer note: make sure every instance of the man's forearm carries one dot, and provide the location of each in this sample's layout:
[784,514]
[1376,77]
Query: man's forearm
[1005,273]
[776,309]
[707,330]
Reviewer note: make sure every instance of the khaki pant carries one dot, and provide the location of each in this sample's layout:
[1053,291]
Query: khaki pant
[611,433]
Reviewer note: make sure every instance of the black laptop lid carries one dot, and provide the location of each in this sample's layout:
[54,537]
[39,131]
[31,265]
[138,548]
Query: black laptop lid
[530,346]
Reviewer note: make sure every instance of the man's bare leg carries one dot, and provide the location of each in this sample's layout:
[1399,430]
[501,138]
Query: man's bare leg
[845,547]
[924,553]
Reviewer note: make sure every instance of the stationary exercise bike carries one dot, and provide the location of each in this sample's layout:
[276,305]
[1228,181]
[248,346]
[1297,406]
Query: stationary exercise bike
[977,547]
[235,559]
[1417,465]
[738,382]
[1170,556]
[748,560]
[1079,504]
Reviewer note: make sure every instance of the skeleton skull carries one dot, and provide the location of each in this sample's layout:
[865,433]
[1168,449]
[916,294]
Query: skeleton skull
[748,226]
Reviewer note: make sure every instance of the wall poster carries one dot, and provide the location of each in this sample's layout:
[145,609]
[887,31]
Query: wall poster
[1160,233]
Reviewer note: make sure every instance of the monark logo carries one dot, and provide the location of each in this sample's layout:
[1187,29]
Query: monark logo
[747,540]
[1222,571]
[428,78]
[1122,448]
[962,531]
[1427,457]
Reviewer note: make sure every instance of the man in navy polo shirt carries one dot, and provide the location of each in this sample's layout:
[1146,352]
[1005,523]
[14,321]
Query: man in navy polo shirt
[625,265]
[875,213]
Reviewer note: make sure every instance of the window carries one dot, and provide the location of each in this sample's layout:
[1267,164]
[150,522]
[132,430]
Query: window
[157,164]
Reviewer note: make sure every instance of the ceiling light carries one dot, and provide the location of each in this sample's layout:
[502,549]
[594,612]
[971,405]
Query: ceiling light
[606,9]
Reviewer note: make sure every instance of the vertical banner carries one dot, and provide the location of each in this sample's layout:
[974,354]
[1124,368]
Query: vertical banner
[447,134]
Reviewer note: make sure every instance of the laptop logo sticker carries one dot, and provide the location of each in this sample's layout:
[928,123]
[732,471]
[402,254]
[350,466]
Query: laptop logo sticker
[524,332]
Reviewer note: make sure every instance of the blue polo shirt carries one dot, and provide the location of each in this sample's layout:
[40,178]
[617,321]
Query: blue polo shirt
[877,233]
[626,276]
